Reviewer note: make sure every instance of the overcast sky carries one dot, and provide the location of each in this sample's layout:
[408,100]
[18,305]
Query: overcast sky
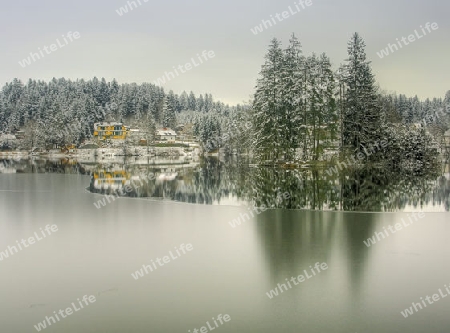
[142,44]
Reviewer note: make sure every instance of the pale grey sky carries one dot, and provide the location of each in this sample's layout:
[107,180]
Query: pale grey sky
[141,45]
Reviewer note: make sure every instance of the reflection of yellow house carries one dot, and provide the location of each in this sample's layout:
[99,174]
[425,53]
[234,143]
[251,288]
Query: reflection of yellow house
[106,131]
[110,179]
[69,148]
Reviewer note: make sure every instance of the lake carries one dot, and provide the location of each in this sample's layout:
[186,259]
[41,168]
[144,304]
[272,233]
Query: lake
[231,268]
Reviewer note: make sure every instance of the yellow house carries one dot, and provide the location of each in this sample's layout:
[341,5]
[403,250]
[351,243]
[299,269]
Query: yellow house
[112,180]
[106,131]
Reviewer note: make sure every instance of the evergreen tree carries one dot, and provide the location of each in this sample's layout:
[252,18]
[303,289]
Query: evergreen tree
[326,117]
[184,102]
[103,96]
[267,106]
[209,102]
[201,103]
[293,95]
[362,124]
[192,102]
[168,114]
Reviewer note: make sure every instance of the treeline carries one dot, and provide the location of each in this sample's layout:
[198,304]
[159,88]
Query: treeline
[63,111]
[411,110]
[294,108]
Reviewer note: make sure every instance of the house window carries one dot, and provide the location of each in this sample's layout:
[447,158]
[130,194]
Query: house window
[117,130]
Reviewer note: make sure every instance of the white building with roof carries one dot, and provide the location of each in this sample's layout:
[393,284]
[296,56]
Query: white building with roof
[166,134]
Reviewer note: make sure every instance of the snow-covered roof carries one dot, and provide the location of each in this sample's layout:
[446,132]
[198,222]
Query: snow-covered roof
[166,132]
[7,137]
[107,124]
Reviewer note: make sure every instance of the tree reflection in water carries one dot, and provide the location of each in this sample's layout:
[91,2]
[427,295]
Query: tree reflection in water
[213,181]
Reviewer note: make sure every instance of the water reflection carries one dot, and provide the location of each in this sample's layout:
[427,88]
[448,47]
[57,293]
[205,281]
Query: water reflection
[213,181]
[291,245]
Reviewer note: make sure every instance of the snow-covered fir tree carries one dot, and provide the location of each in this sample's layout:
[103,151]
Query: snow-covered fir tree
[268,108]
[168,114]
[362,125]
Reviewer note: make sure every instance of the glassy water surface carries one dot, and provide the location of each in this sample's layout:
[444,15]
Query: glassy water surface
[230,269]
[212,181]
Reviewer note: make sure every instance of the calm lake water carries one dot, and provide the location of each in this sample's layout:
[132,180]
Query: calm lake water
[229,270]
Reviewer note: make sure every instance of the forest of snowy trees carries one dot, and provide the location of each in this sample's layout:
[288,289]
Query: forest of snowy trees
[63,111]
[302,109]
